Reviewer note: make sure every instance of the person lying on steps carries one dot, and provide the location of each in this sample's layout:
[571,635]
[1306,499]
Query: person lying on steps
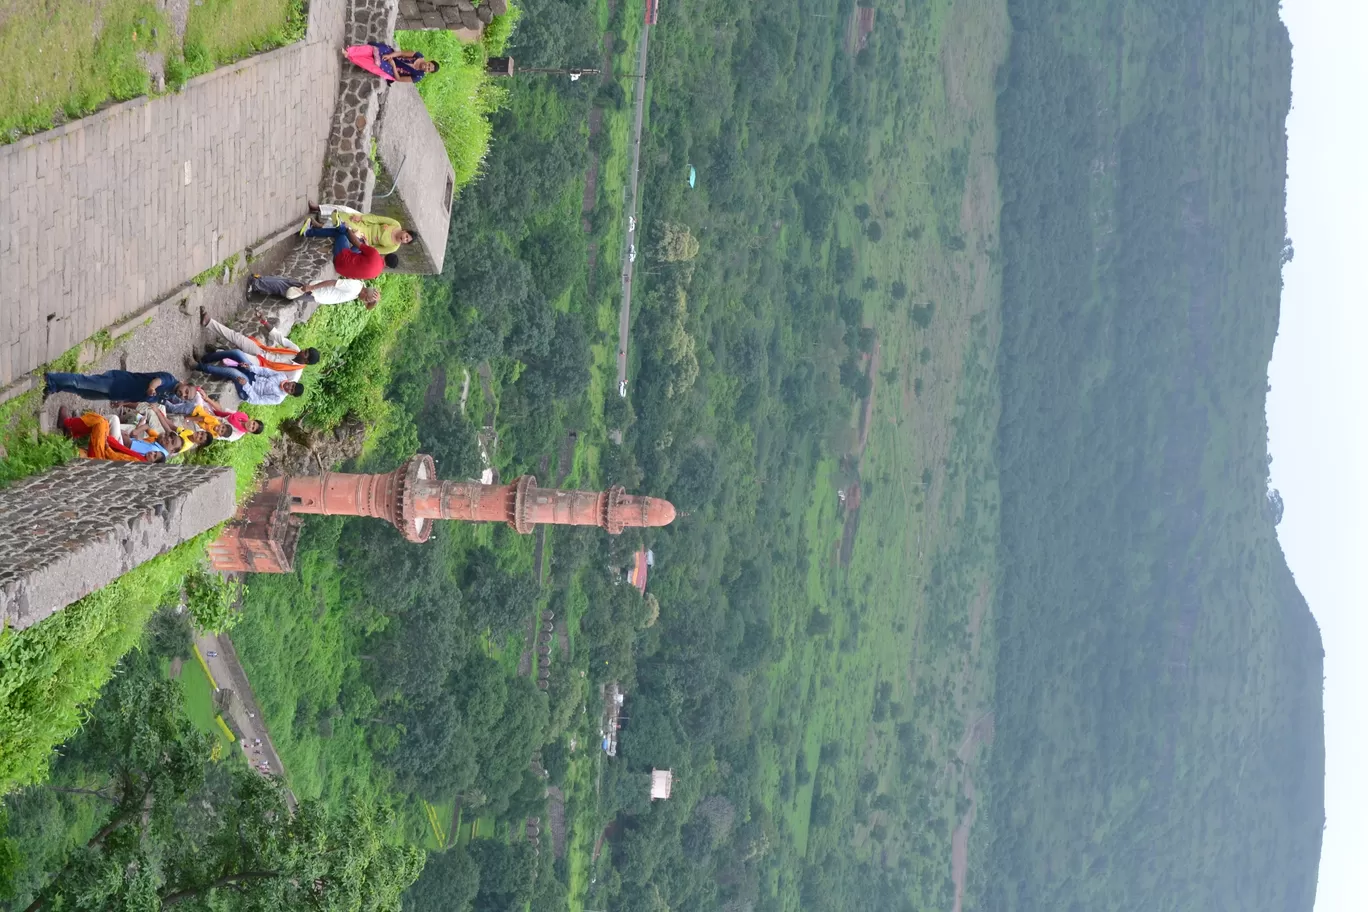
[117,386]
[286,357]
[323,293]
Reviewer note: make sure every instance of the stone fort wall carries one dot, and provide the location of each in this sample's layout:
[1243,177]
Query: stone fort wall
[71,530]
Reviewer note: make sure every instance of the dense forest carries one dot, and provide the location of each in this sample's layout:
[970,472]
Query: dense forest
[1159,728]
[1084,498]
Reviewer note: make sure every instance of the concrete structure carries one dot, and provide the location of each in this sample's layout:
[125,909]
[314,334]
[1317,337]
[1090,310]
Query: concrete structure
[71,530]
[661,783]
[411,498]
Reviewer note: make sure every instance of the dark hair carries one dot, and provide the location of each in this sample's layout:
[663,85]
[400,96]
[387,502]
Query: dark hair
[154,456]
[307,356]
[259,428]
[392,260]
[298,389]
[435,65]
[413,235]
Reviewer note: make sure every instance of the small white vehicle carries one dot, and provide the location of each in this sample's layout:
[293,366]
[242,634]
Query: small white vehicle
[631,224]
[622,388]
[631,254]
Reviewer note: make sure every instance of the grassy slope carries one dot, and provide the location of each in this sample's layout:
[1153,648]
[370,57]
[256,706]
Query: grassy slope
[63,59]
[895,623]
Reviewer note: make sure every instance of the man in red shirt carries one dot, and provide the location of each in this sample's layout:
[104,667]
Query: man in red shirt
[352,258]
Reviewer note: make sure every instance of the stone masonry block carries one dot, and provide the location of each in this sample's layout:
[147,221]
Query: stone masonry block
[73,529]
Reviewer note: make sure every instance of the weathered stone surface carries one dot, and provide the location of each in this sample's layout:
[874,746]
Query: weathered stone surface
[71,530]
[484,14]
[437,14]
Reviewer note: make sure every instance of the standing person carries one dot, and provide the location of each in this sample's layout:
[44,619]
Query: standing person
[352,258]
[117,385]
[257,385]
[328,291]
[391,65]
[381,232]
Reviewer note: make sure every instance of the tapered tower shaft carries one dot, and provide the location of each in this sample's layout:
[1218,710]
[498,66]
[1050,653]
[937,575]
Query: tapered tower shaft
[411,497]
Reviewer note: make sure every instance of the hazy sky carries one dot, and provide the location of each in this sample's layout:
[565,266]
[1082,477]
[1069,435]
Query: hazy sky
[1318,409]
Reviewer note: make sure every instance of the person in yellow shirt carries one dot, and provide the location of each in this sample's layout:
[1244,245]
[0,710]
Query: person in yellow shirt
[381,232]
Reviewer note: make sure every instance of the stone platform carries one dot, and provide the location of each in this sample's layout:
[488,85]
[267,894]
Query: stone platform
[71,530]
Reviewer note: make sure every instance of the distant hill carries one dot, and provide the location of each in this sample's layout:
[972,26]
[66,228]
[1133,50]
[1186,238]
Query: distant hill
[1160,741]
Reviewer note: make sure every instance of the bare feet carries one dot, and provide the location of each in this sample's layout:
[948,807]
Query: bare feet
[204,317]
[313,207]
[63,413]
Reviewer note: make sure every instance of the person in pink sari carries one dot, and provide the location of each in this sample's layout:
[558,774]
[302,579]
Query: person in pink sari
[390,64]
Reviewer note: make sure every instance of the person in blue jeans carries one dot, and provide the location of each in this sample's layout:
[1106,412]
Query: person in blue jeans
[255,384]
[352,257]
[118,386]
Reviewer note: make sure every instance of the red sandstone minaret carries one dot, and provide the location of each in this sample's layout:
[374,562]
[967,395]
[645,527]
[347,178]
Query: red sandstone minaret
[262,538]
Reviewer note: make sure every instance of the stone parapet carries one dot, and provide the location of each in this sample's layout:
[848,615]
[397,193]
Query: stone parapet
[464,16]
[71,530]
[377,123]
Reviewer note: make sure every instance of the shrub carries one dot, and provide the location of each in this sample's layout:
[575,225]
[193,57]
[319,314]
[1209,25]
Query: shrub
[460,98]
[210,600]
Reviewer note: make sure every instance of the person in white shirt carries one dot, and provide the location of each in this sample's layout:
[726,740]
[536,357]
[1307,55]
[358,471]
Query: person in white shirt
[328,291]
[256,385]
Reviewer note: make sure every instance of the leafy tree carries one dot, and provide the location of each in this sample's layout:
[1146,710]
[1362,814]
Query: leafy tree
[1275,506]
[862,211]
[495,598]
[508,874]
[169,633]
[843,263]
[677,243]
[874,231]
[449,883]
[451,440]
[897,291]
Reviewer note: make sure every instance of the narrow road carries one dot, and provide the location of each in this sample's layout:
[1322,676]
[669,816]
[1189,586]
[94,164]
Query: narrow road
[227,671]
[625,312]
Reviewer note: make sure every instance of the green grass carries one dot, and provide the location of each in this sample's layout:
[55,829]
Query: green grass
[97,45]
[199,698]
[459,98]
[62,59]
[221,31]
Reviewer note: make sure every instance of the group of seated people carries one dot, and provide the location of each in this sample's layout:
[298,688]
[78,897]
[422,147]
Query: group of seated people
[154,416]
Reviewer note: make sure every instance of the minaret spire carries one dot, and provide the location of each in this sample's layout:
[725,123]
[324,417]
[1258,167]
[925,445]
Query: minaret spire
[410,498]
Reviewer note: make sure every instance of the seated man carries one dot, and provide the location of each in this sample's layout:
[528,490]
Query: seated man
[352,258]
[117,386]
[256,385]
[285,356]
[328,291]
[144,439]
